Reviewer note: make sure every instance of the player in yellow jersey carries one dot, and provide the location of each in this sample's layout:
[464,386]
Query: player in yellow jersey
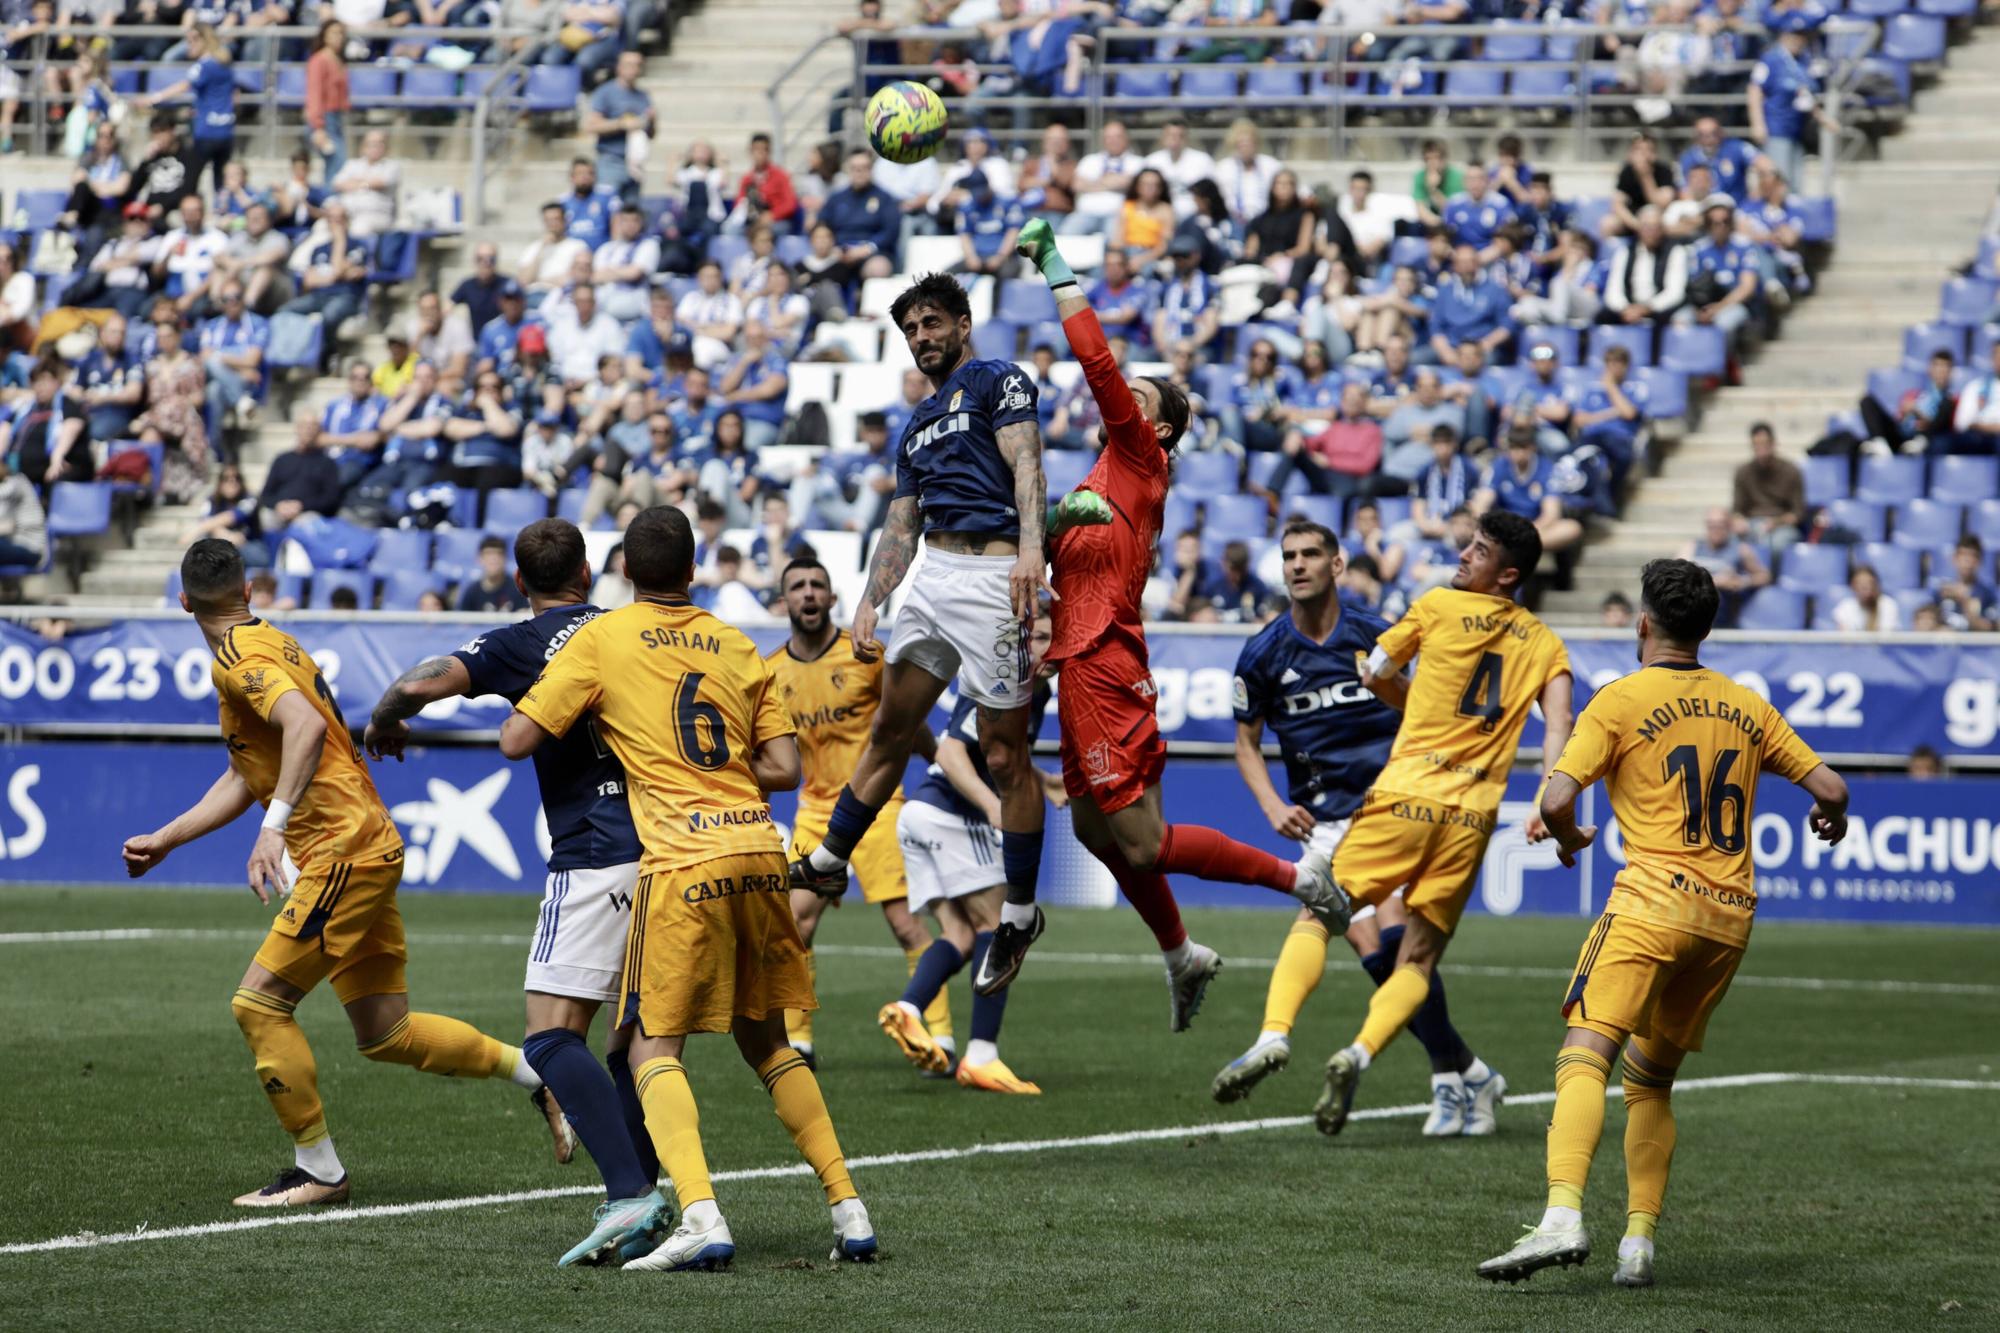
[690,710]
[326,839]
[831,696]
[1482,661]
[1680,749]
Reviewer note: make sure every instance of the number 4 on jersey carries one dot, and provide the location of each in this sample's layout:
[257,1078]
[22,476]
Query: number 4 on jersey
[1482,693]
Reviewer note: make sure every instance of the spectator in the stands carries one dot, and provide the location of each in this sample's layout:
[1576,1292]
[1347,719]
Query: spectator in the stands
[231,514]
[1542,401]
[703,193]
[499,344]
[478,294]
[350,426]
[1391,382]
[1313,397]
[587,205]
[1610,412]
[1047,181]
[1922,417]
[1469,307]
[1400,311]
[1768,493]
[623,267]
[546,263]
[1102,179]
[1648,279]
[1481,388]
[726,471]
[1234,14]
[328,97]
[755,383]
[976,154]
[1733,562]
[485,436]
[1444,486]
[1370,217]
[1475,215]
[1783,96]
[988,224]
[1966,596]
[1643,181]
[1187,308]
[1281,238]
[1180,164]
[1339,458]
[1370,540]
[696,410]
[256,256]
[1570,297]
[160,180]
[1519,481]
[110,382]
[1976,424]
[1234,595]
[494,589]
[440,336]
[399,365]
[745,275]
[175,399]
[1243,175]
[45,430]
[784,313]
[233,199]
[98,188]
[1254,416]
[1774,222]
[545,453]
[1728,159]
[1864,609]
[120,275]
[232,355]
[1408,430]
[1433,14]
[1077,419]
[301,481]
[620,113]
[1332,314]
[581,336]
[777,542]
[1218,235]
[1436,182]
[367,185]
[332,265]
[296,201]
[915,388]
[210,79]
[184,260]
[731,599]
[413,425]
[712,315]
[589,38]
[1722,275]
[849,489]
[765,194]
[1145,225]
[866,222]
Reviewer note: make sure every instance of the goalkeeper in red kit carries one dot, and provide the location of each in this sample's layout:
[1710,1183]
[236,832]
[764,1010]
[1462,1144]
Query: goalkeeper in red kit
[1112,752]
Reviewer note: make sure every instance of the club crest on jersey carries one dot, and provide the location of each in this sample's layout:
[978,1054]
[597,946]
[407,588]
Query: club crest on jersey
[957,398]
[838,680]
[1097,759]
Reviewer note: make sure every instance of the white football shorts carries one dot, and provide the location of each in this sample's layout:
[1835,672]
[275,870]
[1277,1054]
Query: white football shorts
[958,621]
[1325,839]
[579,947]
[946,854]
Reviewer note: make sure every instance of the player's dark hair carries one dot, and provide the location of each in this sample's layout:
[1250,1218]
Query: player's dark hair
[549,553]
[803,562]
[937,290]
[1680,598]
[1519,543]
[1305,527]
[659,550]
[1174,410]
[211,574]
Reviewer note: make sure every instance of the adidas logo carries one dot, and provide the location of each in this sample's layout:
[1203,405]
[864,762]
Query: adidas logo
[1291,677]
[275,1085]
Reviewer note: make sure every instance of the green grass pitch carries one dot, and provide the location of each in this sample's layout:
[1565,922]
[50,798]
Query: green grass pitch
[129,1103]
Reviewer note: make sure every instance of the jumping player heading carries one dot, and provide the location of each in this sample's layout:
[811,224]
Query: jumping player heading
[1112,751]
[969,483]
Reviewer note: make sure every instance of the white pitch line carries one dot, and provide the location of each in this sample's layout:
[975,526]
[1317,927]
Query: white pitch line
[1869,985]
[94,1240]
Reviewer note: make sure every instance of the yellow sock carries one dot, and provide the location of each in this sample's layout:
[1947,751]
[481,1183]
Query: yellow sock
[1649,1145]
[1577,1123]
[937,1016]
[675,1125]
[796,1097]
[799,1022]
[1641,1224]
[285,1067]
[1393,1005]
[1301,963]
[440,1045]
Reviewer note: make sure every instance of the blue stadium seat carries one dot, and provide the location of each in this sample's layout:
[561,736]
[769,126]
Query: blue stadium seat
[1025,302]
[371,85]
[1180,514]
[324,581]
[1204,474]
[1773,609]
[1560,45]
[1948,9]
[1065,469]
[1868,521]
[1474,85]
[1914,39]
[401,548]
[1542,85]
[725,248]
[457,552]
[1826,479]
[291,86]
[553,88]
[400,588]
[1666,393]
[791,251]
[156,457]
[1214,383]
[1234,516]
[1261,468]
[40,208]
[1983,522]
[1324,510]
[1983,340]
[1393,509]
[1268,82]
[1636,340]
[1409,252]
[1921,340]
[172,593]
[1876,9]
[79,508]
[1049,333]
[1587,215]
[1523,43]
[508,511]
[1963,478]
[1818,219]
[994,340]
[308,355]
[1699,350]
[1924,523]
[1567,342]
[428,88]
[1209,83]
[1810,568]
[569,504]
[1966,300]
[1895,479]
[1887,387]
[1897,566]
[1153,85]
[127,80]
[1874,69]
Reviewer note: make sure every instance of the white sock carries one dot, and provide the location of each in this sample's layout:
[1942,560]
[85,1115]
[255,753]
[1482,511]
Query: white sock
[1448,1081]
[910,1009]
[1177,956]
[703,1215]
[1301,876]
[946,1044]
[822,860]
[319,1161]
[1560,1219]
[1021,916]
[1477,1071]
[523,1074]
[1633,1245]
[980,1052]
[849,1210]
[1272,1034]
[1360,1055]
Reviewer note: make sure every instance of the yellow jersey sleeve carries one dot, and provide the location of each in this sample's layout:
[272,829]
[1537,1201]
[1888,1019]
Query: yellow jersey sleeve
[255,680]
[770,720]
[568,687]
[1785,754]
[1594,742]
[1402,640]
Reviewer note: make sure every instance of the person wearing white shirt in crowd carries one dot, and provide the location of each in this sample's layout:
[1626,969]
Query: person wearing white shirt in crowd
[545,264]
[185,258]
[1978,416]
[557,306]
[1101,181]
[781,310]
[1864,609]
[1180,164]
[624,266]
[1371,219]
[545,451]
[17,301]
[582,336]
[734,603]
[976,154]
[1244,176]
[368,185]
[442,338]
[916,187]
[711,314]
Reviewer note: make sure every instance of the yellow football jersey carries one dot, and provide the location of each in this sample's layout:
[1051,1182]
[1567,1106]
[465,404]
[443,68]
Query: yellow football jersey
[683,700]
[831,700]
[1680,750]
[1481,662]
[340,817]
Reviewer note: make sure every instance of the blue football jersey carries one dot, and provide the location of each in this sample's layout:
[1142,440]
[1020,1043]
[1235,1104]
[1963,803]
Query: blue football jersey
[583,786]
[1334,734]
[949,458]
[936,789]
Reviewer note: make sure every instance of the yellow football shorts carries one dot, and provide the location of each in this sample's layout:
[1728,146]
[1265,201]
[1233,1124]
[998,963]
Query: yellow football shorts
[878,857]
[340,922]
[1649,980]
[1432,852]
[712,943]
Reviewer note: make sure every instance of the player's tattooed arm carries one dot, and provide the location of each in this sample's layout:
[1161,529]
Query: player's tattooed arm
[893,556]
[425,683]
[1021,447]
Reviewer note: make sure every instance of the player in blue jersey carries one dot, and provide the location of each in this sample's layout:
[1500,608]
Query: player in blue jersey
[1302,675]
[969,484]
[578,955]
[952,861]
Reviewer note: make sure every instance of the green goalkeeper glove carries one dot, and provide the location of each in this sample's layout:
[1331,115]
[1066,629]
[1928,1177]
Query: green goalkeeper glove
[1037,244]
[1078,509]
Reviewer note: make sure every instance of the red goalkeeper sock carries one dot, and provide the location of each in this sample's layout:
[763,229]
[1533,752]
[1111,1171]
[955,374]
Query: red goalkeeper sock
[1192,849]
[1148,893]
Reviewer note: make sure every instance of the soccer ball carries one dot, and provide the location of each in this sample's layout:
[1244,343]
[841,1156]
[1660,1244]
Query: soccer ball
[906,122]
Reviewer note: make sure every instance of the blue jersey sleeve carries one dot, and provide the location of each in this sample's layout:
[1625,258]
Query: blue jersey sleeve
[1010,396]
[503,662]
[1249,695]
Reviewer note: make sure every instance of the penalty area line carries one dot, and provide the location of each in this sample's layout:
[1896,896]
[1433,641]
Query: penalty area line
[94,1240]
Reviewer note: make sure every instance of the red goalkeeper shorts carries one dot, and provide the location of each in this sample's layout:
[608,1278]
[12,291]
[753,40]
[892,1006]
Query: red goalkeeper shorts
[1111,746]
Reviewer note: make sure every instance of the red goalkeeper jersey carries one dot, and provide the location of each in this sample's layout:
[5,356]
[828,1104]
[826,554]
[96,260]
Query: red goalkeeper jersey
[1100,572]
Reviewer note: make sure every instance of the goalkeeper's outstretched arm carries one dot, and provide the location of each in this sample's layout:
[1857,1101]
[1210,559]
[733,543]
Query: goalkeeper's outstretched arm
[1086,336]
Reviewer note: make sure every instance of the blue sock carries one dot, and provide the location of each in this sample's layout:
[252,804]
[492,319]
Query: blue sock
[1432,1026]
[845,827]
[987,1010]
[635,1114]
[1021,857]
[1379,965]
[589,1099]
[935,966]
